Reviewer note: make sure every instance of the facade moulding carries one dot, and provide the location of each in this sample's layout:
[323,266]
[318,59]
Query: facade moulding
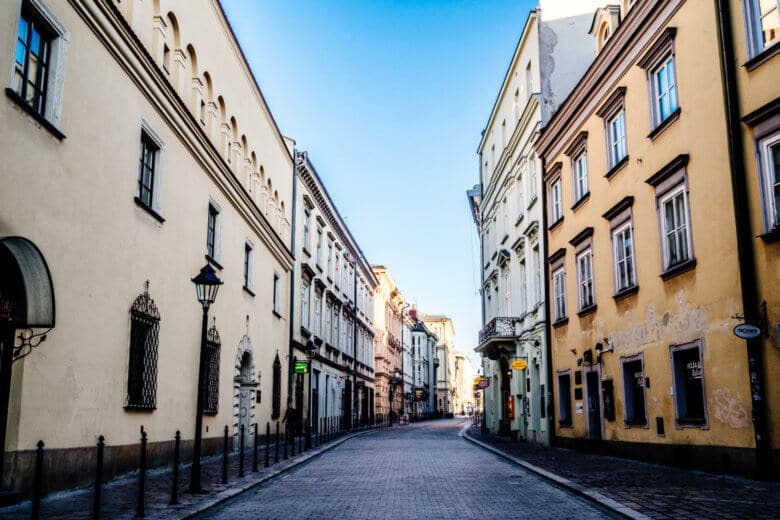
[130,54]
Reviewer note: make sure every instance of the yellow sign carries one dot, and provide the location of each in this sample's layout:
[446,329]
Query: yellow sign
[519,364]
[478,379]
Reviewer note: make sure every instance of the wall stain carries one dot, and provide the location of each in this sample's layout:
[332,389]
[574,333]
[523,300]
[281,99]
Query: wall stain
[728,408]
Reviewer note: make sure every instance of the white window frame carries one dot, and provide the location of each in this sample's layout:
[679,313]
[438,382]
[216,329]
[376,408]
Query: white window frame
[771,204]
[159,169]
[559,294]
[614,142]
[306,229]
[317,313]
[277,294]
[533,176]
[318,258]
[556,199]
[582,283]
[662,201]
[580,175]
[627,226]
[305,296]
[58,50]
[753,32]
[668,63]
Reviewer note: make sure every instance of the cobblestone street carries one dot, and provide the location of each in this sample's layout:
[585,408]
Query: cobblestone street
[422,471]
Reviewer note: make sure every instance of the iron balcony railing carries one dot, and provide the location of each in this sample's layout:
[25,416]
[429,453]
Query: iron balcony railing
[498,328]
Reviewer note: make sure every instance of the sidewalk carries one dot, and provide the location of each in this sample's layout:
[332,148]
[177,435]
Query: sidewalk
[119,497]
[651,490]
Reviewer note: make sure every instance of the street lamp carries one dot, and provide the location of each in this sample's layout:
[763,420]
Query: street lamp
[311,351]
[207,285]
[395,377]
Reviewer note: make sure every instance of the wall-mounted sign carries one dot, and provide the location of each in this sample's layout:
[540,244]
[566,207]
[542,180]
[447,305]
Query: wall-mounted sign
[301,367]
[483,384]
[519,364]
[478,379]
[339,381]
[579,407]
[747,331]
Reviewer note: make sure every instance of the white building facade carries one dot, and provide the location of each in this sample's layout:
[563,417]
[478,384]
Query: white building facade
[333,325]
[553,51]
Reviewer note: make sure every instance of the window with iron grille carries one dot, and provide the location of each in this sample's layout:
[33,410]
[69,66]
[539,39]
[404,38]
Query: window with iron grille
[213,344]
[142,366]
[277,389]
[31,66]
[147,169]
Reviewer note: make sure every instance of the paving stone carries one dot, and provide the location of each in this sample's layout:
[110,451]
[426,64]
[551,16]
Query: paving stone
[421,471]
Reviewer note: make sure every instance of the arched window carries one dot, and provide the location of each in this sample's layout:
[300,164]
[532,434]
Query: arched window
[213,344]
[277,389]
[142,365]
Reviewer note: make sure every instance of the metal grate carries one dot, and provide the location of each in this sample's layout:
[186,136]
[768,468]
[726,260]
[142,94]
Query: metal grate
[142,366]
[213,345]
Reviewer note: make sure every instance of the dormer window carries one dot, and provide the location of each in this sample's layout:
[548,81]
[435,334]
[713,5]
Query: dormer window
[605,23]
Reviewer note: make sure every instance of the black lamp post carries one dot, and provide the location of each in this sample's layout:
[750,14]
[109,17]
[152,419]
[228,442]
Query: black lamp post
[207,285]
[311,350]
[395,378]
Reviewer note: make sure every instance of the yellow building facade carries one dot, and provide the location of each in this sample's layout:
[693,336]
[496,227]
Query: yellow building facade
[643,273]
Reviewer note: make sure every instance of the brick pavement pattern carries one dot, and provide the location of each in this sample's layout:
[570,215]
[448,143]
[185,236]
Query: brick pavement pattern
[424,471]
[654,490]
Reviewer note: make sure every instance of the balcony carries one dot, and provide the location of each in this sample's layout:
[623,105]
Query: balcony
[498,337]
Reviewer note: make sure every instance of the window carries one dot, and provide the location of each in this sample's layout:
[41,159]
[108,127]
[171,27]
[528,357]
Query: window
[328,320]
[585,279]
[248,266]
[623,242]
[147,169]
[142,362]
[336,320]
[33,56]
[330,261]
[212,229]
[306,222]
[318,313]
[276,405]
[564,399]
[769,150]
[277,304]
[676,242]
[213,344]
[634,391]
[532,179]
[664,89]
[556,204]
[523,286]
[616,138]
[319,247]
[580,167]
[762,18]
[537,266]
[337,269]
[559,294]
[305,295]
[688,379]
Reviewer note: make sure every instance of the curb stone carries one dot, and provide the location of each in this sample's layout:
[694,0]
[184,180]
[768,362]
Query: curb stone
[590,494]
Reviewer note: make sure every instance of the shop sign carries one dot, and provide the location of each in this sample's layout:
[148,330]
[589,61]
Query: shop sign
[747,331]
[483,384]
[579,407]
[519,364]
[339,381]
[694,369]
[478,379]
[301,367]
[418,395]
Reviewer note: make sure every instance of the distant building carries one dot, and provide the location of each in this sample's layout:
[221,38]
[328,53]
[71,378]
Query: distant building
[389,319]
[423,354]
[444,362]
[464,384]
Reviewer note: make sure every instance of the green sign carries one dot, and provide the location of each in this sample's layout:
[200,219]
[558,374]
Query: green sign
[301,367]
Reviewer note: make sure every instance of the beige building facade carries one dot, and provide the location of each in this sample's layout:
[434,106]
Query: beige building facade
[333,311]
[127,182]
[443,362]
[389,318]
[464,384]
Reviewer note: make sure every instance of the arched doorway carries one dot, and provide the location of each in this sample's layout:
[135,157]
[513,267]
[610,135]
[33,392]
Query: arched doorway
[26,302]
[244,387]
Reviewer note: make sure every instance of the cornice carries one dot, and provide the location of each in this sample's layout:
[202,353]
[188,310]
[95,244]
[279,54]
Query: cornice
[673,166]
[119,39]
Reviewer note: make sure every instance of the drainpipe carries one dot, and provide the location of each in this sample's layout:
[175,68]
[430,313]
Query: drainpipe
[547,332]
[745,252]
[290,354]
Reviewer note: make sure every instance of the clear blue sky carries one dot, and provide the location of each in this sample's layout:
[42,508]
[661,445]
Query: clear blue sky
[389,99]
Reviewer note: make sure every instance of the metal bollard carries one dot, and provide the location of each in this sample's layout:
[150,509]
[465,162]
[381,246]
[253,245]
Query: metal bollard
[175,487]
[254,455]
[241,452]
[139,508]
[98,477]
[225,456]
[276,457]
[286,442]
[37,482]
[267,443]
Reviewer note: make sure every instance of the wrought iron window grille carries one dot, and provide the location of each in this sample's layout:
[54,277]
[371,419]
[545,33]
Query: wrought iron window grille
[144,343]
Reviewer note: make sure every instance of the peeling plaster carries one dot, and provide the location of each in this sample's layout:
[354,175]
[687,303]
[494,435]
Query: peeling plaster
[728,408]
